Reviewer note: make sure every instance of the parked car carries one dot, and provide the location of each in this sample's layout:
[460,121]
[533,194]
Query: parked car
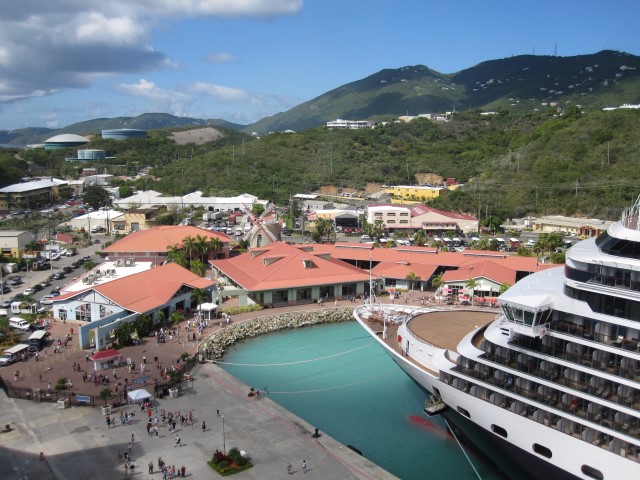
[15,281]
[58,276]
[67,269]
[29,291]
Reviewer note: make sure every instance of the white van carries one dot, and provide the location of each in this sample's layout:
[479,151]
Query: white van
[365,238]
[14,354]
[19,323]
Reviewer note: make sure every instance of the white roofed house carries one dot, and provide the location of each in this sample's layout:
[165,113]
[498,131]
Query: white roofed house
[33,194]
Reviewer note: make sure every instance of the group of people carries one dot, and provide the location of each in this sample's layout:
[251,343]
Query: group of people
[168,473]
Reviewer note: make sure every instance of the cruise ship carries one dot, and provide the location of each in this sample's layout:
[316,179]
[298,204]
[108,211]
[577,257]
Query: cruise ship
[549,379]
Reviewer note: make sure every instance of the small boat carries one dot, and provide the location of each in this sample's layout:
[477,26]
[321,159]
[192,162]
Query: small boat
[433,405]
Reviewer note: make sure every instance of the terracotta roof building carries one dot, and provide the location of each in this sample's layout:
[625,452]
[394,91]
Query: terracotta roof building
[420,217]
[283,274]
[163,289]
[288,274]
[152,244]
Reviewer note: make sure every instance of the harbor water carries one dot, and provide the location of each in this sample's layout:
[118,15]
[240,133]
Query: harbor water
[340,380]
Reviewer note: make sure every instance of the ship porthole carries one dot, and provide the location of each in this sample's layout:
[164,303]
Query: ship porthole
[542,450]
[592,472]
[464,412]
[498,430]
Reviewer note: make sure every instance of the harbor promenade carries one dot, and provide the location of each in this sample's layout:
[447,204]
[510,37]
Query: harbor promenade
[77,444]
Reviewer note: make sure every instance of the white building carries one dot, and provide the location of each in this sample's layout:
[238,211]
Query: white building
[350,124]
[148,198]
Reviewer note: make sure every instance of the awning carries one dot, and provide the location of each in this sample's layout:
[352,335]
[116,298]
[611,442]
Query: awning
[139,395]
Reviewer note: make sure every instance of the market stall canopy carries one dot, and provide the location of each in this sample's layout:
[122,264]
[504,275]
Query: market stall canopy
[139,395]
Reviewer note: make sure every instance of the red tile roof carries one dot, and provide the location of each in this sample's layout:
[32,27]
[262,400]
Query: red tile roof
[418,210]
[145,291]
[279,266]
[160,239]
[105,354]
[488,269]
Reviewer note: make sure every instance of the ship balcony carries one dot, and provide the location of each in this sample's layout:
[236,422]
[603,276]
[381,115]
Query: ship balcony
[568,414]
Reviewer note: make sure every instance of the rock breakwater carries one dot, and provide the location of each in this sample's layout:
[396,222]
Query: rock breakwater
[214,346]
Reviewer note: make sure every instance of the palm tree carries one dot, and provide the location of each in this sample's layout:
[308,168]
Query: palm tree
[88,265]
[202,246]
[419,238]
[189,246]
[32,246]
[175,318]
[176,255]
[105,394]
[472,284]
[436,281]
[412,278]
[215,245]
[198,295]
[504,287]
[198,268]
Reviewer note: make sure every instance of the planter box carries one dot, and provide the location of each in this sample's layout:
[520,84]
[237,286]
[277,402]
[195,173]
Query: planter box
[63,403]
[106,410]
[173,392]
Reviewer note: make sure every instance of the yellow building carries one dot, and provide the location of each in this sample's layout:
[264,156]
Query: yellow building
[417,192]
[13,243]
[137,219]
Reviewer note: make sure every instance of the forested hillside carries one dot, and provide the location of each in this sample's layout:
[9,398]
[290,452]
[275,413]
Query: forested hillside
[512,165]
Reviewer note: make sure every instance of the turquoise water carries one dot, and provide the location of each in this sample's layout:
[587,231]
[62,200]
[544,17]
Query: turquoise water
[340,380]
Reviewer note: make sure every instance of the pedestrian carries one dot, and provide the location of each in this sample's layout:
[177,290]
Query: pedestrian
[132,466]
[156,430]
[204,427]
[178,444]
[151,467]
[289,469]
[49,387]
[304,466]
[182,471]
[132,439]
[126,457]
[108,422]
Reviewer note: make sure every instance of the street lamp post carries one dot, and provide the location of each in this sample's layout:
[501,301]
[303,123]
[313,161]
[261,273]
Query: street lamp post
[224,445]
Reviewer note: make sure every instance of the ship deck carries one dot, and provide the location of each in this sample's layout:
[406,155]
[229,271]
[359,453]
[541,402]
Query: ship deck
[445,329]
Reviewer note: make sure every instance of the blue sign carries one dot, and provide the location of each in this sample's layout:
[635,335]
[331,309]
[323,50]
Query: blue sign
[83,398]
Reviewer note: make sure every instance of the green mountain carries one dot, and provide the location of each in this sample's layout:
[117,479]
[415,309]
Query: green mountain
[146,121]
[519,84]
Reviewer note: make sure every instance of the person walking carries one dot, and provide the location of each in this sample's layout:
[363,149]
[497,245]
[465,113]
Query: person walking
[151,467]
[304,466]
[178,444]
[289,469]
[204,426]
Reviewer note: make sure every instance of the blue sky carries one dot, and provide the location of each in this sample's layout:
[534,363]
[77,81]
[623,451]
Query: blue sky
[67,61]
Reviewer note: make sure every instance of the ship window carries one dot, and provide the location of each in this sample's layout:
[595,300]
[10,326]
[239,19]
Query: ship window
[540,450]
[592,472]
[499,430]
[464,412]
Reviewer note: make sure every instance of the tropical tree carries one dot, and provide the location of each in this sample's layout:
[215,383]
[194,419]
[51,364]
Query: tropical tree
[198,268]
[419,238]
[504,287]
[123,333]
[198,296]
[437,280]
[412,278]
[202,247]
[175,318]
[88,265]
[323,226]
[189,246]
[143,326]
[62,385]
[176,255]
[105,394]
[32,246]
[96,196]
[472,284]
[215,245]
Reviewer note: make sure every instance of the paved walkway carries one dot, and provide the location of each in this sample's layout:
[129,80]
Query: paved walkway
[77,444]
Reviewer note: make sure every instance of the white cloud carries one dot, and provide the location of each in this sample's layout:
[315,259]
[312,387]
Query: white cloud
[46,47]
[225,94]
[220,58]
[158,99]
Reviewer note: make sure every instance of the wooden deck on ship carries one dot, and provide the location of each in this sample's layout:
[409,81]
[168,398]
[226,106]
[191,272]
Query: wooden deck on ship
[445,329]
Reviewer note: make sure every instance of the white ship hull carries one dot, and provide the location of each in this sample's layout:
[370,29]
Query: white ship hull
[424,362]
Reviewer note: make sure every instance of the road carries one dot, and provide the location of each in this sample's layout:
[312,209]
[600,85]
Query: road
[35,277]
